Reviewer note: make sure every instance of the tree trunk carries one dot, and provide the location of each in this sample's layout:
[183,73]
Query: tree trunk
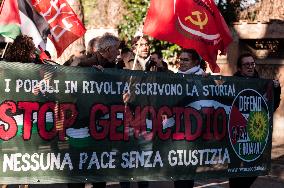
[104,13]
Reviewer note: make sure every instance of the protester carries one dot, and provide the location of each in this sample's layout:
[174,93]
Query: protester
[189,63]
[141,49]
[104,57]
[92,47]
[125,56]
[246,69]
[21,50]
[157,63]
[107,52]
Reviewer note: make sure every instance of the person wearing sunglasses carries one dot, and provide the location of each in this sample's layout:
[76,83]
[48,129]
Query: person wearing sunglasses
[246,68]
[189,62]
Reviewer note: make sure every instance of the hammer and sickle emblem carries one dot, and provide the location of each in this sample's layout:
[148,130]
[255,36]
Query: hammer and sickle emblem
[197,22]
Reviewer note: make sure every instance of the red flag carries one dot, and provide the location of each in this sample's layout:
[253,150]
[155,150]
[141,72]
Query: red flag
[64,25]
[39,20]
[194,24]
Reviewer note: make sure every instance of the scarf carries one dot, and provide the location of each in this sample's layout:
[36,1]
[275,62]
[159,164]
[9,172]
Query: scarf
[194,70]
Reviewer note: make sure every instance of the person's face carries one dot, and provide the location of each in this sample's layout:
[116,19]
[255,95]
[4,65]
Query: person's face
[94,48]
[155,58]
[126,56]
[144,49]
[247,67]
[111,53]
[186,62]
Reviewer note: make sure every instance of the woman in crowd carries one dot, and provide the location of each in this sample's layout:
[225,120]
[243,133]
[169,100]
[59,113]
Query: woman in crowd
[189,62]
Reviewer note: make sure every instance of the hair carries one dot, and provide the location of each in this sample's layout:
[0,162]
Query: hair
[91,44]
[21,50]
[195,57]
[240,59]
[159,54]
[137,38]
[125,50]
[107,40]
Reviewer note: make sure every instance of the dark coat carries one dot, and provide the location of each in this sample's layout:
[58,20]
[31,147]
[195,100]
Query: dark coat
[153,66]
[238,74]
[96,59]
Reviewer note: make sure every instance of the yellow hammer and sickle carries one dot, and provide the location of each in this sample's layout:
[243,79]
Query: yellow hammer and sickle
[197,22]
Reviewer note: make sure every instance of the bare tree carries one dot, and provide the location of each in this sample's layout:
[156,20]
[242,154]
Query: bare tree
[107,13]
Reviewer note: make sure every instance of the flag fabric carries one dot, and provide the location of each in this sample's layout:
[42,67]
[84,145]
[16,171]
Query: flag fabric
[9,23]
[41,20]
[194,24]
[65,27]
[237,120]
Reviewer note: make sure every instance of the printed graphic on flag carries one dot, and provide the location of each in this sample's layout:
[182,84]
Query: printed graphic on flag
[190,24]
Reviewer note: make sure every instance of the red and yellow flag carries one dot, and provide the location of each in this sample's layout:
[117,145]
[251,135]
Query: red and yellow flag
[194,24]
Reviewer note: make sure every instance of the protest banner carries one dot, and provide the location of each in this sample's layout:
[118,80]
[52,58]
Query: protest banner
[70,124]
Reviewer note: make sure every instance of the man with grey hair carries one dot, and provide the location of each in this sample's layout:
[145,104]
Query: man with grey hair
[107,52]
[104,57]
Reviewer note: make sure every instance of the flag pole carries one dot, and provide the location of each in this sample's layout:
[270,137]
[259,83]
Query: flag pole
[134,63]
[141,36]
[136,58]
[137,52]
[7,44]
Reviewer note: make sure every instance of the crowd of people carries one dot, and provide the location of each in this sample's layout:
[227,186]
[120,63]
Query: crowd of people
[107,51]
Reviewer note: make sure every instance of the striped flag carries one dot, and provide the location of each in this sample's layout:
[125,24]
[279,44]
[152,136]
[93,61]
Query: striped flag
[9,23]
[41,19]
